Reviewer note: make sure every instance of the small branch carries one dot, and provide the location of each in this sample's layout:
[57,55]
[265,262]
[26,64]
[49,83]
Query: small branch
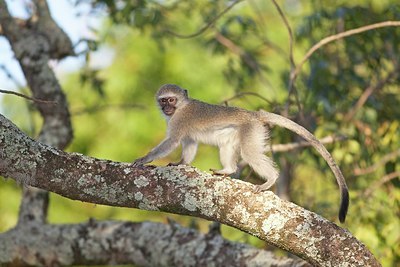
[289,29]
[241,53]
[10,76]
[380,182]
[383,161]
[292,63]
[205,27]
[367,93]
[239,95]
[238,51]
[28,97]
[326,40]
[100,108]
[296,145]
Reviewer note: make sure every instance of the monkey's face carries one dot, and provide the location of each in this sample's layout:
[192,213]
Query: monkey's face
[168,105]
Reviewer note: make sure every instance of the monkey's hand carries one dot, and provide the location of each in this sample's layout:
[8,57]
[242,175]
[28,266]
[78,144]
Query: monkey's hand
[140,161]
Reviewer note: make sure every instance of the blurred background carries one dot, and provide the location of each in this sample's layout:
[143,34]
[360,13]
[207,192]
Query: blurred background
[235,53]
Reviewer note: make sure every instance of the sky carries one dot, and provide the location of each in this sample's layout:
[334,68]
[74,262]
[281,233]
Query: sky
[65,15]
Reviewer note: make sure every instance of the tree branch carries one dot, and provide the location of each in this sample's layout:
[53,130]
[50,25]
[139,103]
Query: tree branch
[296,145]
[326,40]
[100,108]
[238,51]
[141,244]
[380,182]
[33,47]
[205,27]
[181,190]
[242,94]
[367,93]
[374,167]
[291,86]
[26,97]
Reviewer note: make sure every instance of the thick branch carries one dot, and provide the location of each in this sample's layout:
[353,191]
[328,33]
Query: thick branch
[181,190]
[33,52]
[34,42]
[141,244]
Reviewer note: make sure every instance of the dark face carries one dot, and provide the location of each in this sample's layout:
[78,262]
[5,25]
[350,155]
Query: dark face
[168,105]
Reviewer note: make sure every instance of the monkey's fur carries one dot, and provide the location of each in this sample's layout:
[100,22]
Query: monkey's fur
[237,132]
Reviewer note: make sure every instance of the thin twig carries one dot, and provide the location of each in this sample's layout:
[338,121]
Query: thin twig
[100,108]
[367,93]
[27,97]
[245,56]
[289,29]
[375,166]
[296,145]
[326,40]
[239,95]
[380,182]
[205,27]
[291,60]
[238,51]
[10,76]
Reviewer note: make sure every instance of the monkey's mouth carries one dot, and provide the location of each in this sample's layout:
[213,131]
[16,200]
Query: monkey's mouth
[169,111]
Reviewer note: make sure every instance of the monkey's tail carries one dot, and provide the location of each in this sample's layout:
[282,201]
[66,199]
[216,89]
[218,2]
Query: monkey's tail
[275,119]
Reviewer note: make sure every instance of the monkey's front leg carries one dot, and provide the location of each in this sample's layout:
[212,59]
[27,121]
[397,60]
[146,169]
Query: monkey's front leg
[163,149]
[189,150]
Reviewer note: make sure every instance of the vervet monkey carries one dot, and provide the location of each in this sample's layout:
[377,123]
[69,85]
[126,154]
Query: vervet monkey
[237,132]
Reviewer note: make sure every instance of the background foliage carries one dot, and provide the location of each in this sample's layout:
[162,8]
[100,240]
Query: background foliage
[242,58]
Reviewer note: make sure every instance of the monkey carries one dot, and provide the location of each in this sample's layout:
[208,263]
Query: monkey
[239,133]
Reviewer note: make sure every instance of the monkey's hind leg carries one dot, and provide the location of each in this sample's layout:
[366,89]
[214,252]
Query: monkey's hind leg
[253,146]
[229,156]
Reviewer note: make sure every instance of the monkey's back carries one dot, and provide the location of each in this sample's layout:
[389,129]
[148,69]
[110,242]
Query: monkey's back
[210,124]
[209,114]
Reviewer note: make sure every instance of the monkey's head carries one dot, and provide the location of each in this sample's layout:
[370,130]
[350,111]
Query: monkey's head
[171,97]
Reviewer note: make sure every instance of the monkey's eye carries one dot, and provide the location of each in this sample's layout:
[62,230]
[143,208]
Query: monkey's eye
[172,100]
[163,100]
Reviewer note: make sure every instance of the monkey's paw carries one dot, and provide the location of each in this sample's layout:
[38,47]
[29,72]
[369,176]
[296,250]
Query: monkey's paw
[261,187]
[175,163]
[220,172]
[139,162]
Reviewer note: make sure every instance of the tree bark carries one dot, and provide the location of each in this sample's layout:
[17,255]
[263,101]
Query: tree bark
[113,242]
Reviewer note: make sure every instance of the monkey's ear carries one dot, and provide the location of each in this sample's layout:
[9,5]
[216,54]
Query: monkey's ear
[186,92]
